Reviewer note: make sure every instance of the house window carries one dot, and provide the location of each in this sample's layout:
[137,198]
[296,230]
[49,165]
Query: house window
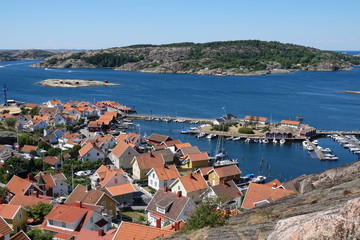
[165,183]
[160,209]
[18,229]
[91,219]
[115,180]
[153,175]
[88,154]
[19,216]
[51,222]
[97,154]
[150,182]
[110,204]
[179,188]
[103,203]
[63,224]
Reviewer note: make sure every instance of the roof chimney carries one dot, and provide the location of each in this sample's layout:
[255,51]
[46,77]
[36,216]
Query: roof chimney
[29,176]
[274,186]
[178,195]
[158,223]
[227,211]
[78,204]
[177,226]
[101,232]
[191,175]
[88,188]
[223,181]
[166,189]
[1,201]
[36,194]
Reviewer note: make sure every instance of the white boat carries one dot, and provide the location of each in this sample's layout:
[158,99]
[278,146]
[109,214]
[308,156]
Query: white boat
[310,148]
[274,141]
[220,154]
[332,158]
[229,138]
[265,140]
[201,134]
[315,142]
[211,135]
[247,140]
[225,162]
[236,139]
[282,141]
[259,179]
[326,150]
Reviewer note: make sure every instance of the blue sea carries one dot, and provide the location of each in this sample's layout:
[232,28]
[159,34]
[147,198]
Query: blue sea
[314,95]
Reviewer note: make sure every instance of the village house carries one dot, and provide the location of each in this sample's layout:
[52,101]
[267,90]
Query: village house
[192,186]
[122,155]
[19,186]
[204,171]
[28,201]
[53,185]
[169,207]
[51,112]
[164,176]
[91,152]
[106,177]
[223,173]
[256,120]
[187,150]
[36,124]
[134,231]
[29,148]
[133,138]
[169,157]
[5,229]
[87,195]
[54,161]
[227,192]
[96,126]
[288,123]
[108,140]
[53,103]
[142,164]
[52,136]
[6,152]
[20,236]
[85,234]
[157,139]
[15,215]
[68,220]
[226,119]
[171,145]
[196,160]
[261,194]
[122,193]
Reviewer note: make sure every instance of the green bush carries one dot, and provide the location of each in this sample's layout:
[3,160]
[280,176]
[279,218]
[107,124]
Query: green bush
[245,130]
[223,128]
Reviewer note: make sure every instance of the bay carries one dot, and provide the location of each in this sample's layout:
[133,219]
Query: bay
[314,95]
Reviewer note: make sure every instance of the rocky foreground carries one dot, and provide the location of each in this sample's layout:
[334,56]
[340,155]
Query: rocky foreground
[327,207]
[74,83]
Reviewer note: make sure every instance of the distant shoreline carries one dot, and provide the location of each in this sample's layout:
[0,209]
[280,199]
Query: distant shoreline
[74,83]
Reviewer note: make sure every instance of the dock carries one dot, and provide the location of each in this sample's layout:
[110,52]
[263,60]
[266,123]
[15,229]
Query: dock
[325,133]
[350,141]
[153,117]
[318,152]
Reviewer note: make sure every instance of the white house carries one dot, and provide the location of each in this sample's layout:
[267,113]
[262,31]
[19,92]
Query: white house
[161,177]
[91,152]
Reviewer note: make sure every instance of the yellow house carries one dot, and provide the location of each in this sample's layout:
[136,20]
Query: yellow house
[191,186]
[225,173]
[87,195]
[142,164]
[196,160]
[15,215]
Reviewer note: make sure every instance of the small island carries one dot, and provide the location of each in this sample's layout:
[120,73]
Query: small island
[74,83]
[352,92]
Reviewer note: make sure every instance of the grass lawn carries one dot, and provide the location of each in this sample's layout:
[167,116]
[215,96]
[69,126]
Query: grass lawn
[134,215]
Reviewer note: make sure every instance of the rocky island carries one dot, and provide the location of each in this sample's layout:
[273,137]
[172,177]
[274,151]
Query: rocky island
[74,83]
[247,57]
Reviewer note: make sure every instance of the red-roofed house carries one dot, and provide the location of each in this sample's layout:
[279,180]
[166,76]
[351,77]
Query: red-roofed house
[122,193]
[25,201]
[91,152]
[134,231]
[227,192]
[288,123]
[53,103]
[29,148]
[261,194]
[106,177]
[142,164]
[164,176]
[5,229]
[122,155]
[70,219]
[19,186]
[54,185]
[85,234]
[168,206]
[196,160]
[257,120]
[191,186]
[224,173]
[15,215]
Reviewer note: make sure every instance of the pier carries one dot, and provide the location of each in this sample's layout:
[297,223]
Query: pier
[325,133]
[153,117]
[318,152]
[350,141]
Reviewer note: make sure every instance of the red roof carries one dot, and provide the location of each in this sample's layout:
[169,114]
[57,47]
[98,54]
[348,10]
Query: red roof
[66,213]
[8,211]
[85,149]
[85,234]
[166,172]
[260,192]
[290,122]
[149,160]
[134,231]
[193,182]
[226,171]
[121,189]
[4,227]
[120,148]
[255,118]
[18,185]
[28,200]
[29,148]
[201,156]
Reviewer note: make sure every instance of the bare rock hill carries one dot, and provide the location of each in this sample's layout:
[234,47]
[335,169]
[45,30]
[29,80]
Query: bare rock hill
[326,207]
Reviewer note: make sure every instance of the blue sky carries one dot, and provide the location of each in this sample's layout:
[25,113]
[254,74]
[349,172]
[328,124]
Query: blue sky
[94,24]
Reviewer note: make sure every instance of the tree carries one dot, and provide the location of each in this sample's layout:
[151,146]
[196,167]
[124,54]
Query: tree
[39,211]
[10,122]
[205,215]
[4,193]
[34,111]
[5,111]
[44,145]
[25,140]
[53,151]
[38,234]
[16,165]
[74,151]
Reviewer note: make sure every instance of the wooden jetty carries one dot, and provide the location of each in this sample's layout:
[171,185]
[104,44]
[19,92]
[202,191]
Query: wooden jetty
[318,152]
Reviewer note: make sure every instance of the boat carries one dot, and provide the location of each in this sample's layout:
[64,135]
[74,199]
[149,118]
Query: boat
[332,158]
[265,140]
[305,143]
[310,148]
[225,162]
[256,140]
[229,138]
[259,179]
[201,135]
[185,131]
[247,140]
[274,141]
[315,142]
[194,128]
[282,141]
[326,150]
[236,138]
[166,120]
[211,135]
[221,154]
